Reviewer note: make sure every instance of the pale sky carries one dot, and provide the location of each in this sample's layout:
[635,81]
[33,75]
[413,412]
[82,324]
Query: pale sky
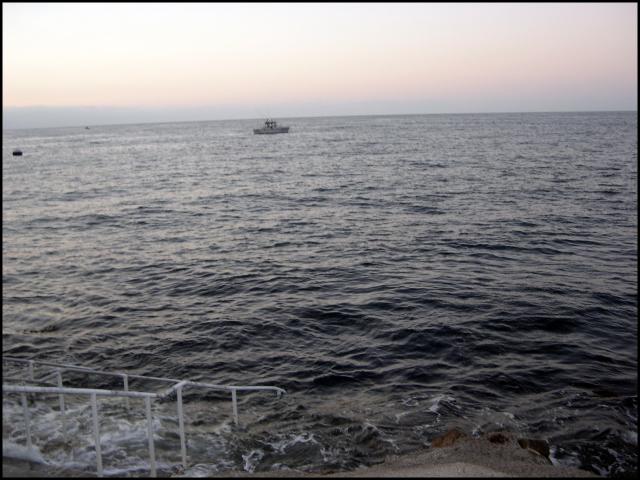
[83,64]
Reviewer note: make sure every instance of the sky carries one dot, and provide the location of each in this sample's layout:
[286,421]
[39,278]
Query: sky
[68,64]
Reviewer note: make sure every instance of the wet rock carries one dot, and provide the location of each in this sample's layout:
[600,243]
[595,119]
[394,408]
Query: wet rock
[448,439]
[497,438]
[540,447]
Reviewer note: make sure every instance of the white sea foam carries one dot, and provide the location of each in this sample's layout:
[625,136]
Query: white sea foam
[21,452]
[410,402]
[252,459]
[631,436]
[285,443]
[565,460]
[435,406]
[198,471]
[400,415]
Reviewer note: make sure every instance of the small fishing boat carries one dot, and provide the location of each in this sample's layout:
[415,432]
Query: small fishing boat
[271,126]
[17,153]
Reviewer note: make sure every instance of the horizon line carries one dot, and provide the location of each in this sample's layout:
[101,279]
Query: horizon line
[298,117]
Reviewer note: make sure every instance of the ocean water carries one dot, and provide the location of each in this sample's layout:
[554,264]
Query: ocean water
[397,275]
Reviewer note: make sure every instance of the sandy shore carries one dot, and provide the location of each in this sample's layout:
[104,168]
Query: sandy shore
[459,456]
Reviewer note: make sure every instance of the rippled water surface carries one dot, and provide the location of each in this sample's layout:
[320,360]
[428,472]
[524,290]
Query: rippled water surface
[396,275]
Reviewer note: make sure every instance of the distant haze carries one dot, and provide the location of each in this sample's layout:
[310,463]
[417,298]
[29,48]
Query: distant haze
[95,63]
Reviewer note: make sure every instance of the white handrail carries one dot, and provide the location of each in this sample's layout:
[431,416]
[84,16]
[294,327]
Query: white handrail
[144,377]
[74,391]
[178,387]
[93,393]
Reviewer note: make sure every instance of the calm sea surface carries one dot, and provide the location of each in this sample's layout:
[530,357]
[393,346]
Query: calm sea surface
[398,276]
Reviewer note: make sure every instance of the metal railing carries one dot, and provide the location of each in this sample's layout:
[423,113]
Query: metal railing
[177,387]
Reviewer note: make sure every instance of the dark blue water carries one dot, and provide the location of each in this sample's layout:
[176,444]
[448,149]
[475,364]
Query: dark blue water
[397,275]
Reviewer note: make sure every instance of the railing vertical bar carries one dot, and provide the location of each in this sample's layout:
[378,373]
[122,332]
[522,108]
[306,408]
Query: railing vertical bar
[27,390]
[152,453]
[27,420]
[62,409]
[125,378]
[234,400]
[183,443]
[96,433]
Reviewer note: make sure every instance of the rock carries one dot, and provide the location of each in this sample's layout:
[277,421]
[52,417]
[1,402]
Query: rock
[497,437]
[448,439]
[540,447]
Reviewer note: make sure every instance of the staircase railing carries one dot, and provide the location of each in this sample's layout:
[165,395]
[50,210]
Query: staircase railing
[177,386]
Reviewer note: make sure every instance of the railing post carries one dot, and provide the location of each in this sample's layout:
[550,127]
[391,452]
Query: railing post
[96,433]
[31,376]
[125,378]
[29,390]
[152,453]
[64,415]
[234,400]
[183,443]
[27,420]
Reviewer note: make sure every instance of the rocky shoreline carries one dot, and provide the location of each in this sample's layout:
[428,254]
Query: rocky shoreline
[454,454]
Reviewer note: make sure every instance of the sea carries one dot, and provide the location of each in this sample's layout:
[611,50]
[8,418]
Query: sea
[398,276]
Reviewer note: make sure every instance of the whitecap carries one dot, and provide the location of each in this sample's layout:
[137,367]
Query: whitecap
[21,452]
[252,459]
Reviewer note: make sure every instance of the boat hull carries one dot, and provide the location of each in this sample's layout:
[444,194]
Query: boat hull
[269,131]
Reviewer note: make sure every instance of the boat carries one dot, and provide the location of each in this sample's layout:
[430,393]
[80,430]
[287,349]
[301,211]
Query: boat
[270,126]
[17,153]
